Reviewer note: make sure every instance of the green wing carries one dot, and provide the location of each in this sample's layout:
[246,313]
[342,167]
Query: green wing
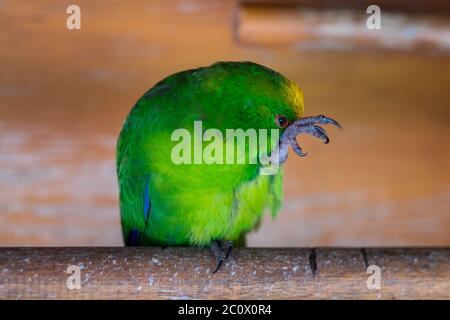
[133,188]
[133,158]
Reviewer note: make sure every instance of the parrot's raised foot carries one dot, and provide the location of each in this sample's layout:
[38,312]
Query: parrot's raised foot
[306,125]
[221,250]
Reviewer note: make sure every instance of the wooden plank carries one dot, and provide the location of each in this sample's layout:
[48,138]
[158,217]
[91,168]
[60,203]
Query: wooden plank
[305,27]
[252,273]
[405,6]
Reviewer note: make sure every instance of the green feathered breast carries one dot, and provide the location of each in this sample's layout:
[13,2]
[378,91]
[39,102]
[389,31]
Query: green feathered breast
[163,203]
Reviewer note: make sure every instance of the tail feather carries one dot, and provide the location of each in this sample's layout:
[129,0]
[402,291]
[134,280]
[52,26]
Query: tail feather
[133,239]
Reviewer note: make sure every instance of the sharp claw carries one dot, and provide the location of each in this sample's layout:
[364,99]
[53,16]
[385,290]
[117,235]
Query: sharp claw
[318,120]
[228,247]
[297,149]
[228,252]
[219,264]
[322,134]
[220,254]
[326,120]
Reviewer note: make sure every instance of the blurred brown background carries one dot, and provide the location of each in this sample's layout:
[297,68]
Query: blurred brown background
[382,181]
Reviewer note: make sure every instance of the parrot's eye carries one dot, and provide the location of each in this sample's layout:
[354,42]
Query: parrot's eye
[281,121]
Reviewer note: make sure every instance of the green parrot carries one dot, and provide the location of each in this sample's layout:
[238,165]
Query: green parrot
[167,203]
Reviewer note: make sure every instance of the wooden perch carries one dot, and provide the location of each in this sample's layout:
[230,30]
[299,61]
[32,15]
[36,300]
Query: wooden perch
[252,273]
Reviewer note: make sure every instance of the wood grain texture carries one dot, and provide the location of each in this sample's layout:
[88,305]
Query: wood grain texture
[414,6]
[252,273]
[341,27]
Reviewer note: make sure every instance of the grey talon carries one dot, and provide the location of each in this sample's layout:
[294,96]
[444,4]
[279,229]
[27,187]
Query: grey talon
[321,119]
[228,247]
[333,122]
[221,250]
[322,134]
[297,149]
[219,265]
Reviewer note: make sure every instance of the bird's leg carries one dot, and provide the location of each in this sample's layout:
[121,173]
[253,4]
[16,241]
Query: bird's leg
[307,125]
[221,250]
[227,248]
[218,253]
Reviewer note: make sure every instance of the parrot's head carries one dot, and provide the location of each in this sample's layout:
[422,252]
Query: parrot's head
[253,96]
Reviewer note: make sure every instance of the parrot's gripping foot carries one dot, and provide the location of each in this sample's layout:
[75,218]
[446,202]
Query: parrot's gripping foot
[221,250]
